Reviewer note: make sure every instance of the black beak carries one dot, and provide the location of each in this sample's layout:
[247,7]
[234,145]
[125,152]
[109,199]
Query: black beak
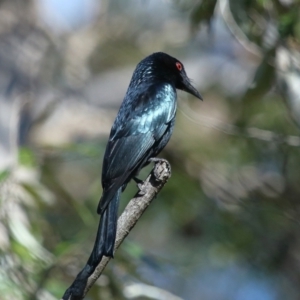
[187,87]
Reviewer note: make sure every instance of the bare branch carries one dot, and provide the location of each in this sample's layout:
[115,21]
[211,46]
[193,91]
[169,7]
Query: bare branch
[249,132]
[133,211]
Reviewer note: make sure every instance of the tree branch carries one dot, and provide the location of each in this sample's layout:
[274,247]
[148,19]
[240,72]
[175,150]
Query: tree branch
[248,132]
[159,175]
[236,31]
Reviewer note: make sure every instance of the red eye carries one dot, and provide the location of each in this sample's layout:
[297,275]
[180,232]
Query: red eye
[179,66]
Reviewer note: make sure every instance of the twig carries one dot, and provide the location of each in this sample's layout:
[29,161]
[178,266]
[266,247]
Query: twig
[133,211]
[249,132]
[236,30]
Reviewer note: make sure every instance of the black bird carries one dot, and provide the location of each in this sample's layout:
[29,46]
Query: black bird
[142,128]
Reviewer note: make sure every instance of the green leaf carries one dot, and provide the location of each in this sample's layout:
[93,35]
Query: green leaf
[203,12]
[27,157]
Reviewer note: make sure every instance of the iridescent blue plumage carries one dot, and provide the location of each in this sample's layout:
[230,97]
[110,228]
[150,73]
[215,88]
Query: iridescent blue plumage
[142,128]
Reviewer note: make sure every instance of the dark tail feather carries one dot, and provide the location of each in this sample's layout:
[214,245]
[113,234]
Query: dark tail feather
[104,245]
[106,235]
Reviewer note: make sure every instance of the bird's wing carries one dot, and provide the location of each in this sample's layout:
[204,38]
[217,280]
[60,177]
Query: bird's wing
[138,126]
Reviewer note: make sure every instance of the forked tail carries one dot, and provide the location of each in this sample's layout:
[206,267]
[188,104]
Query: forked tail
[106,234]
[104,245]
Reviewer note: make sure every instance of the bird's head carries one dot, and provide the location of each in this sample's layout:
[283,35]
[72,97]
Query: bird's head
[171,69]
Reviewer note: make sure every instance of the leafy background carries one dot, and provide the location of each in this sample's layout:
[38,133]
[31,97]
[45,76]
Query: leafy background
[226,226]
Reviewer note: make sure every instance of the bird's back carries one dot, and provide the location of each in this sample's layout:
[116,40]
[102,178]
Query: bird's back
[142,128]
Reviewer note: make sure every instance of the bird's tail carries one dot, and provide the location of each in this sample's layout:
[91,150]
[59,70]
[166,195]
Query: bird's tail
[104,245]
[106,234]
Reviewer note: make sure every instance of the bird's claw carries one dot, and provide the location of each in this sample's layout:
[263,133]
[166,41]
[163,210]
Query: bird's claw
[140,185]
[137,180]
[157,159]
[159,170]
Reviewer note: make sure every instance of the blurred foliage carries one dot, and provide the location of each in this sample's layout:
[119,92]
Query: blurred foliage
[226,224]
[203,12]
